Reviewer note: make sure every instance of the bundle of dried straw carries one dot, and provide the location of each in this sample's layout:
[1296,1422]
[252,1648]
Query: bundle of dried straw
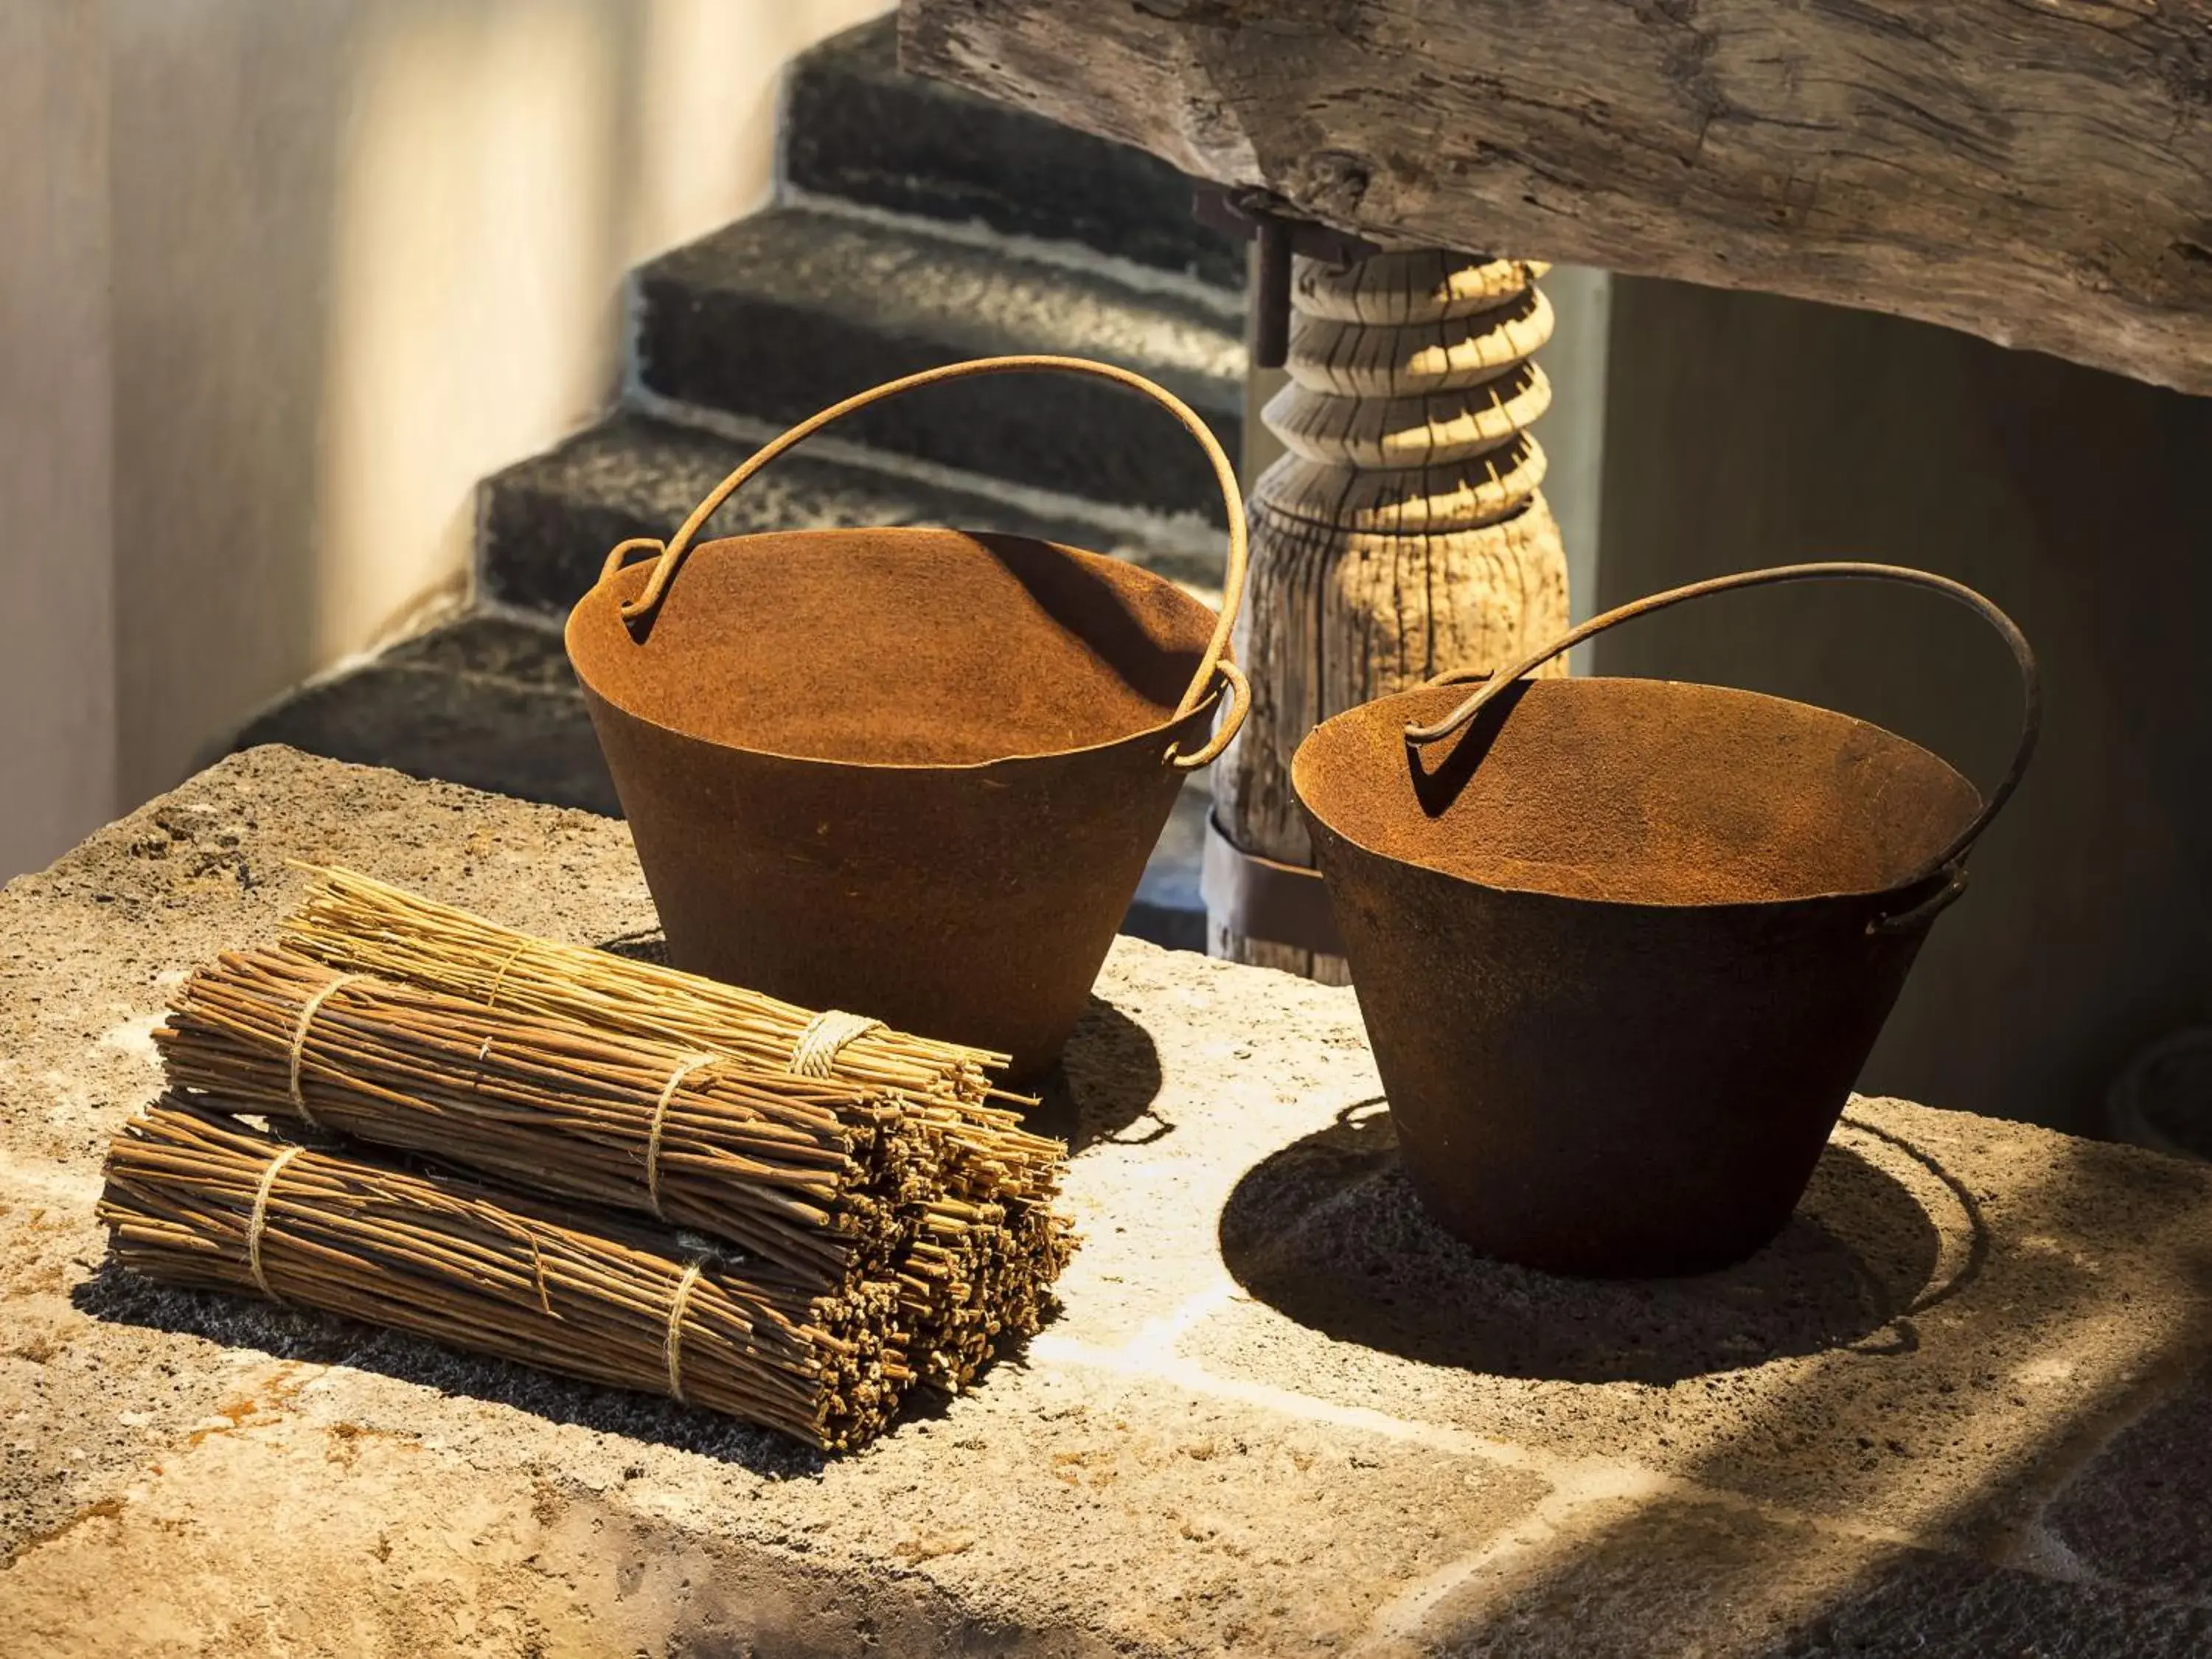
[891,1223]
[198,1200]
[361,924]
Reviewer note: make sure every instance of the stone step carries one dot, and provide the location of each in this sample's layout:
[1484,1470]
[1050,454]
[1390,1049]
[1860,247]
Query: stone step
[778,314]
[482,699]
[489,701]
[857,128]
[545,525]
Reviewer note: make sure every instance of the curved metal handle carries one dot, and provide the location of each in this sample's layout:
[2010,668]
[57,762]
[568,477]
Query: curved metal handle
[678,547]
[2030,721]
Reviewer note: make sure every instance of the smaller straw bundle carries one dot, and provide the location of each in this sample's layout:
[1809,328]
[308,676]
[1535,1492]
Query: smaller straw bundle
[198,1200]
[358,924]
[807,1173]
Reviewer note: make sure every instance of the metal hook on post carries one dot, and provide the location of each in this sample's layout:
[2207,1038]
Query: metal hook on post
[1246,215]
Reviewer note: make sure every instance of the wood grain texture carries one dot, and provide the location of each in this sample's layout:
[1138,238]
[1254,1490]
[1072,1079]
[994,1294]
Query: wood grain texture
[1335,618]
[1460,494]
[1381,360]
[1419,285]
[2035,172]
[1395,432]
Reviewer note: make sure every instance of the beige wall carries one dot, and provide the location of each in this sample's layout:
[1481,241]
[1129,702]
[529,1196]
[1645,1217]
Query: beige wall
[57,643]
[1746,430]
[364,252]
[1573,429]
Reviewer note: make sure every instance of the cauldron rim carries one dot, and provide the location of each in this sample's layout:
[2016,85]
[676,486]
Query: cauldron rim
[607,593]
[1398,707]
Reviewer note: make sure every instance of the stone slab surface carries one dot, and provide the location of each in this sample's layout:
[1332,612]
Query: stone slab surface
[1960,1407]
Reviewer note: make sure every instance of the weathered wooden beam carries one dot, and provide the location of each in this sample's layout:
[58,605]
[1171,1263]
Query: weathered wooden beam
[2036,171]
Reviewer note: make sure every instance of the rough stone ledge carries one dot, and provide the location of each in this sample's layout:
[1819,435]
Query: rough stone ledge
[1959,1408]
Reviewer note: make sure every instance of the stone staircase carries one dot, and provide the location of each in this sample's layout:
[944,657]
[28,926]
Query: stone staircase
[914,225]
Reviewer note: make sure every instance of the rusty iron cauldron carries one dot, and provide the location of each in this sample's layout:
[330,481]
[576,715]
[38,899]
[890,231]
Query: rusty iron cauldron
[914,773]
[1623,945]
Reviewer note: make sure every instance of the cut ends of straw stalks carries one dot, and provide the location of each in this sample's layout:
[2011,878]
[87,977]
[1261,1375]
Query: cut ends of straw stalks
[889,1226]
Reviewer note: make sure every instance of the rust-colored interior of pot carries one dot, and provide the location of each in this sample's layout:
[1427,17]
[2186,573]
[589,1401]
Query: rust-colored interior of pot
[898,647]
[1641,792]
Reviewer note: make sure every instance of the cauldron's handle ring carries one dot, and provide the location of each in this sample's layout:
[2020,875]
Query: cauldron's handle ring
[1914,917]
[1240,701]
[639,609]
[1947,862]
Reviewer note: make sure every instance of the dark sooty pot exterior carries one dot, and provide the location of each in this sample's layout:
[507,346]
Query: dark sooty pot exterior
[1606,1089]
[971,903]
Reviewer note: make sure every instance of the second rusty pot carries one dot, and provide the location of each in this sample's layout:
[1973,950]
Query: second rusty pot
[912,774]
[1623,945]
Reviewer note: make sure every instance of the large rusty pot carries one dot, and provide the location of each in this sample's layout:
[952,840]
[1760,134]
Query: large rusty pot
[913,774]
[1623,945]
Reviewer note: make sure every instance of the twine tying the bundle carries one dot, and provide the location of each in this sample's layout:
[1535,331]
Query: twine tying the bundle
[259,1224]
[500,978]
[690,1064]
[673,1347]
[309,1009]
[815,1053]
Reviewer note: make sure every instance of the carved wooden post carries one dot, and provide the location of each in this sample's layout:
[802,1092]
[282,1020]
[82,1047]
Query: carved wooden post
[1402,535]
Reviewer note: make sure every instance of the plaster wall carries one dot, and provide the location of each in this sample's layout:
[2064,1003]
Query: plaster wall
[1745,430]
[58,728]
[1573,429]
[363,253]
[368,251]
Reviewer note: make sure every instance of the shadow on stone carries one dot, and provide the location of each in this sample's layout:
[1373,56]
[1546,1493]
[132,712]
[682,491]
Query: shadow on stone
[647,945]
[2136,1513]
[312,1337]
[284,1332]
[1103,1088]
[1328,1232]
